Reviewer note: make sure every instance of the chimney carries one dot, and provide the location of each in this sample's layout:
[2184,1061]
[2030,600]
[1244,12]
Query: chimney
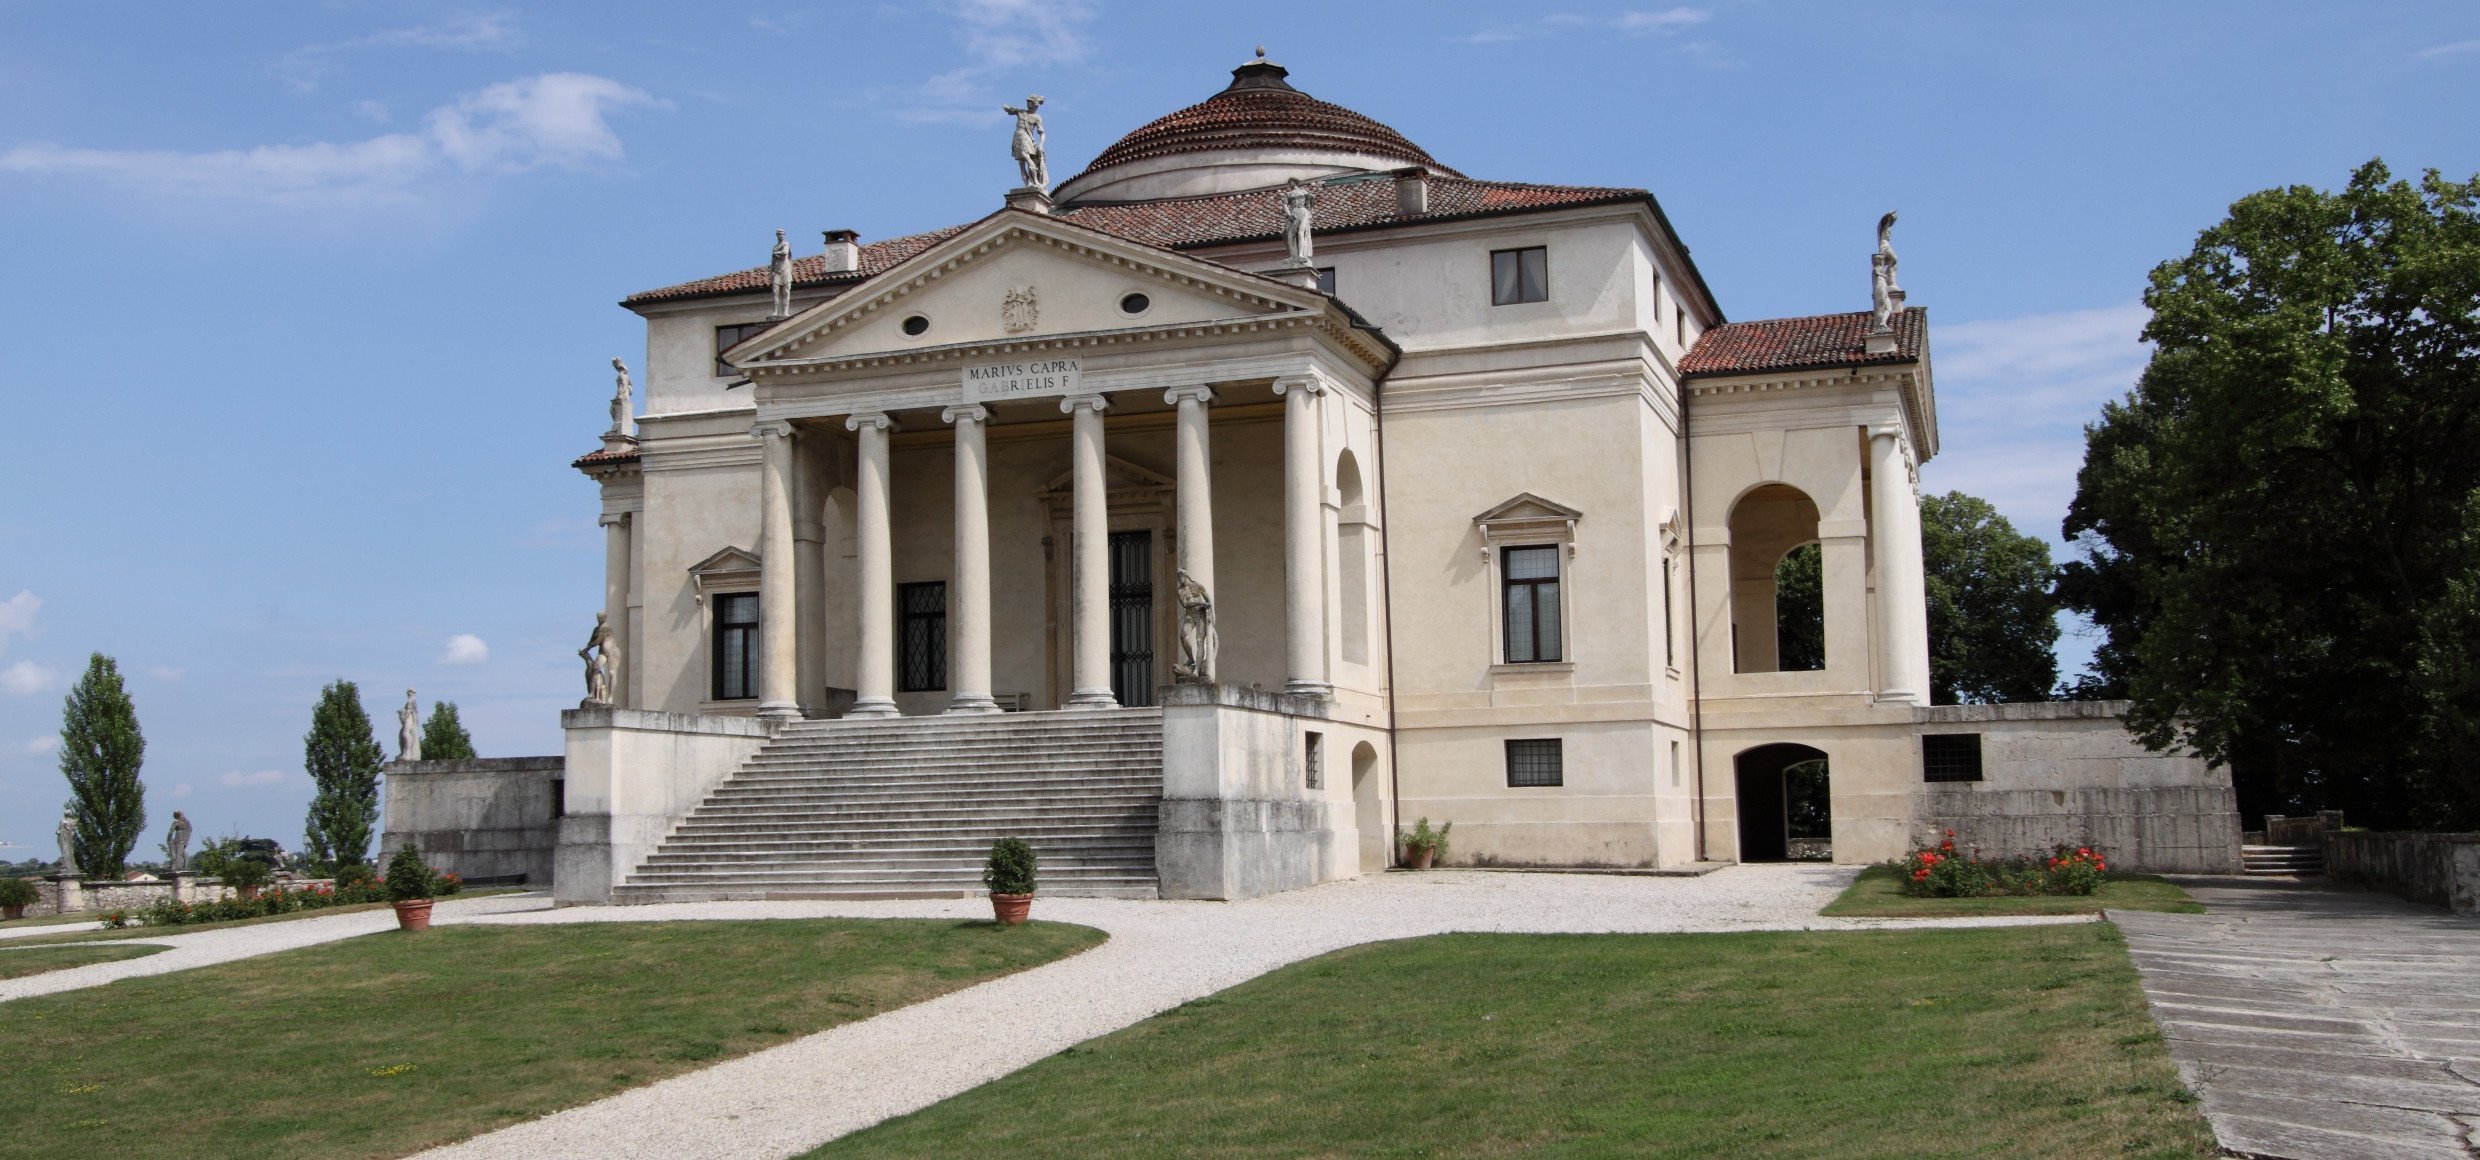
[843,251]
[1411,191]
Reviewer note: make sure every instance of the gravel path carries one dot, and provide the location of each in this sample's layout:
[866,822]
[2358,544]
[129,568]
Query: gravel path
[54,928]
[791,1098]
[206,948]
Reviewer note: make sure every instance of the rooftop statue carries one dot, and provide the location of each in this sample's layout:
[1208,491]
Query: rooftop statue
[1884,296]
[598,654]
[1029,146]
[779,276]
[409,730]
[1298,196]
[176,845]
[622,414]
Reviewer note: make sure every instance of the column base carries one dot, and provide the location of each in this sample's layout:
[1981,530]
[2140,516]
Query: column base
[1319,689]
[779,711]
[974,703]
[1091,699]
[873,707]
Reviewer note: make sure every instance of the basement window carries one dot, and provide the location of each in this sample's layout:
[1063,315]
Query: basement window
[1535,762]
[1950,757]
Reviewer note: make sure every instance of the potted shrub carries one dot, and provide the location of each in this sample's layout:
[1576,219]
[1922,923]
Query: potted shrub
[409,888]
[246,875]
[16,894]
[1424,845]
[1010,879]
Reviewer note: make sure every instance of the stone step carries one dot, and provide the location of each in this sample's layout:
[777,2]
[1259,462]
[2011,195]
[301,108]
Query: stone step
[873,876]
[1042,840]
[641,895]
[1129,774]
[2281,860]
[992,797]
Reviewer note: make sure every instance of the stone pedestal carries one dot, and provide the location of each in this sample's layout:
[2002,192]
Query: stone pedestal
[72,896]
[1030,199]
[184,885]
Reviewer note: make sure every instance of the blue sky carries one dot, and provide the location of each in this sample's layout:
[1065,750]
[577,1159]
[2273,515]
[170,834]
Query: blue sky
[305,307]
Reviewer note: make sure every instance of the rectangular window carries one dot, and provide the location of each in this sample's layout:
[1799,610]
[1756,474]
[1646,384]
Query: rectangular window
[1519,275]
[1533,763]
[1679,322]
[736,646]
[921,637]
[727,337]
[1950,757]
[1326,279]
[559,797]
[1670,651]
[1674,765]
[1313,768]
[1529,578]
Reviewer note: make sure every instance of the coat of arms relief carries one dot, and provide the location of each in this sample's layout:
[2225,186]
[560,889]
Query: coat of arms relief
[1017,311]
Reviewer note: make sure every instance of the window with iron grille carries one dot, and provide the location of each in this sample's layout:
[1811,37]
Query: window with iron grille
[1950,757]
[1535,762]
[736,646]
[921,637]
[1529,583]
[1519,275]
[727,337]
[1313,770]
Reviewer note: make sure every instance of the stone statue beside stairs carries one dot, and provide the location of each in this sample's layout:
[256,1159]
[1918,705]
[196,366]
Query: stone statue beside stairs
[1197,641]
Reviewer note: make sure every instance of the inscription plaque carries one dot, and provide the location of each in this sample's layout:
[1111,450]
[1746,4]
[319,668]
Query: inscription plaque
[1027,379]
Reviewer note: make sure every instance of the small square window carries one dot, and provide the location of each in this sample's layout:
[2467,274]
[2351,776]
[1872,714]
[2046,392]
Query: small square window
[1534,763]
[1519,275]
[1950,757]
[727,337]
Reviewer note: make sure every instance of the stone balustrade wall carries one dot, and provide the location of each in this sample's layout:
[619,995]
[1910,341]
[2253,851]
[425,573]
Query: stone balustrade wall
[97,895]
[2438,869]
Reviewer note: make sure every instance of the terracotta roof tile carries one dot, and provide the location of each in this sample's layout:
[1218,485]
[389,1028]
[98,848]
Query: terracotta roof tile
[809,271]
[1815,341]
[1262,118]
[603,457]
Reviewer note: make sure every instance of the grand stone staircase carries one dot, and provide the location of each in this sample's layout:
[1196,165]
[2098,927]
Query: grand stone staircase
[908,808]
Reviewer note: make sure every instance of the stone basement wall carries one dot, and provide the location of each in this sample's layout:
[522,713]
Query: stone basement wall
[98,895]
[490,819]
[2438,869]
[2068,771]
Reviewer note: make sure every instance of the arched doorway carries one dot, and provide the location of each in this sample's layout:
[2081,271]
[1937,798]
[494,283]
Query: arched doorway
[1368,812]
[1785,804]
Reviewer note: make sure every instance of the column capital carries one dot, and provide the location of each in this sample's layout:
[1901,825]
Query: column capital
[1309,385]
[970,412]
[1178,395]
[613,520]
[1892,431]
[873,419]
[1073,403]
[766,428]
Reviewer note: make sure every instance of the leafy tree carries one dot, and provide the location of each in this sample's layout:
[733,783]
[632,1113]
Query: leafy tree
[2278,524]
[1800,610]
[1993,625]
[100,751]
[343,759]
[444,737]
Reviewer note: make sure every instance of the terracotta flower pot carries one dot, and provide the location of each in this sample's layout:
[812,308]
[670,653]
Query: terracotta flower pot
[12,913]
[413,914]
[1418,857]
[1010,909]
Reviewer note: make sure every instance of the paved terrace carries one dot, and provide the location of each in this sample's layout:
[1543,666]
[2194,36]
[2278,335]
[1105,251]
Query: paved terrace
[2319,1024]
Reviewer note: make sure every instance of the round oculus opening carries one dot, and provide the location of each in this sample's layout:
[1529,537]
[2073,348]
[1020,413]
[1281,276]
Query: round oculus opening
[1135,304]
[916,325]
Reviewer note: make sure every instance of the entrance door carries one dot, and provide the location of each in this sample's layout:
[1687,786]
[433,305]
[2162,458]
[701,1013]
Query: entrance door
[1132,617]
[1785,804]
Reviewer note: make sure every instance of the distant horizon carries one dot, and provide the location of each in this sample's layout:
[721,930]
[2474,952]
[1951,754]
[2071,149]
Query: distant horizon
[314,304]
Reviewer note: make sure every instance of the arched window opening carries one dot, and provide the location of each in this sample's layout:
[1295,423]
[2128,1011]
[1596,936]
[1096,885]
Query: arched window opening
[1369,810]
[1776,582]
[1353,537]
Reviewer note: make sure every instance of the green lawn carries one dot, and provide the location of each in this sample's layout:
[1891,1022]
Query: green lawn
[83,936]
[2019,1042]
[390,1043]
[1875,895]
[19,962]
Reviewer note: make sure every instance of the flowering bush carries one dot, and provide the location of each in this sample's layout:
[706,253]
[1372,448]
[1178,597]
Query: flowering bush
[1941,871]
[168,912]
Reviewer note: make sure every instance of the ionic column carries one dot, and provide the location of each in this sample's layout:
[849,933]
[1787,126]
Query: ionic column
[616,570]
[968,591]
[1304,540]
[778,607]
[1089,560]
[874,676]
[1902,602]
[1196,498]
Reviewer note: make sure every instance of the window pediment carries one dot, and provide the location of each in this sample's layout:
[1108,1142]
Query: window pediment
[1528,518]
[730,570]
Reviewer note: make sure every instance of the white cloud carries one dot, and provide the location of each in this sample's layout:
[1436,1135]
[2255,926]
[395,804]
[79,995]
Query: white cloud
[181,790]
[303,68]
[259,777]
[166,672]
[26,678]
[17,616]
[465,649]
[999,36]
[556,119]
[44,744]
[2457,48]
[1662,22]
[2013,397]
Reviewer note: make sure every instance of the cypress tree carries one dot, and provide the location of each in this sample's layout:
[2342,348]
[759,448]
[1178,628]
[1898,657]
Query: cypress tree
[342,757]
[444,737]
[100,751]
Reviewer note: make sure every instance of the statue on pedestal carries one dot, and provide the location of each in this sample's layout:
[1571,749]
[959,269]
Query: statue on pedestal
[1884,296]
[1197,639]
[1030,145]
[176,845]
[598,655]
[409,730]
[623,416]
[67,833]
[1297,198]
[779,276]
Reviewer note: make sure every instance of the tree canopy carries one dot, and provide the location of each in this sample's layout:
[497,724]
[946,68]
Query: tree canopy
[2280,525]
[1993,625]
[100,752]
[1800,610]
[444,737]
[343,758]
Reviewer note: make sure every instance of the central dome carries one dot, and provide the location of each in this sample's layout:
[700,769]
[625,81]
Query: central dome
[1258,132]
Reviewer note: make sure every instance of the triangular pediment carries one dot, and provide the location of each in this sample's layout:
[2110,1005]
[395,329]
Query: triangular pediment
[1017,278]
[728,562]
[1525,508]
[1117,475]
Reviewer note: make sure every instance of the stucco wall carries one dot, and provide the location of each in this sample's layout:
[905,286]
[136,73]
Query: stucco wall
[630,777]
[488,818]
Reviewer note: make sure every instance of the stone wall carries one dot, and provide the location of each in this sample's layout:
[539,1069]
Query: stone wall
[2068,772]
[490,819]
[97,895]
[2438,869]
